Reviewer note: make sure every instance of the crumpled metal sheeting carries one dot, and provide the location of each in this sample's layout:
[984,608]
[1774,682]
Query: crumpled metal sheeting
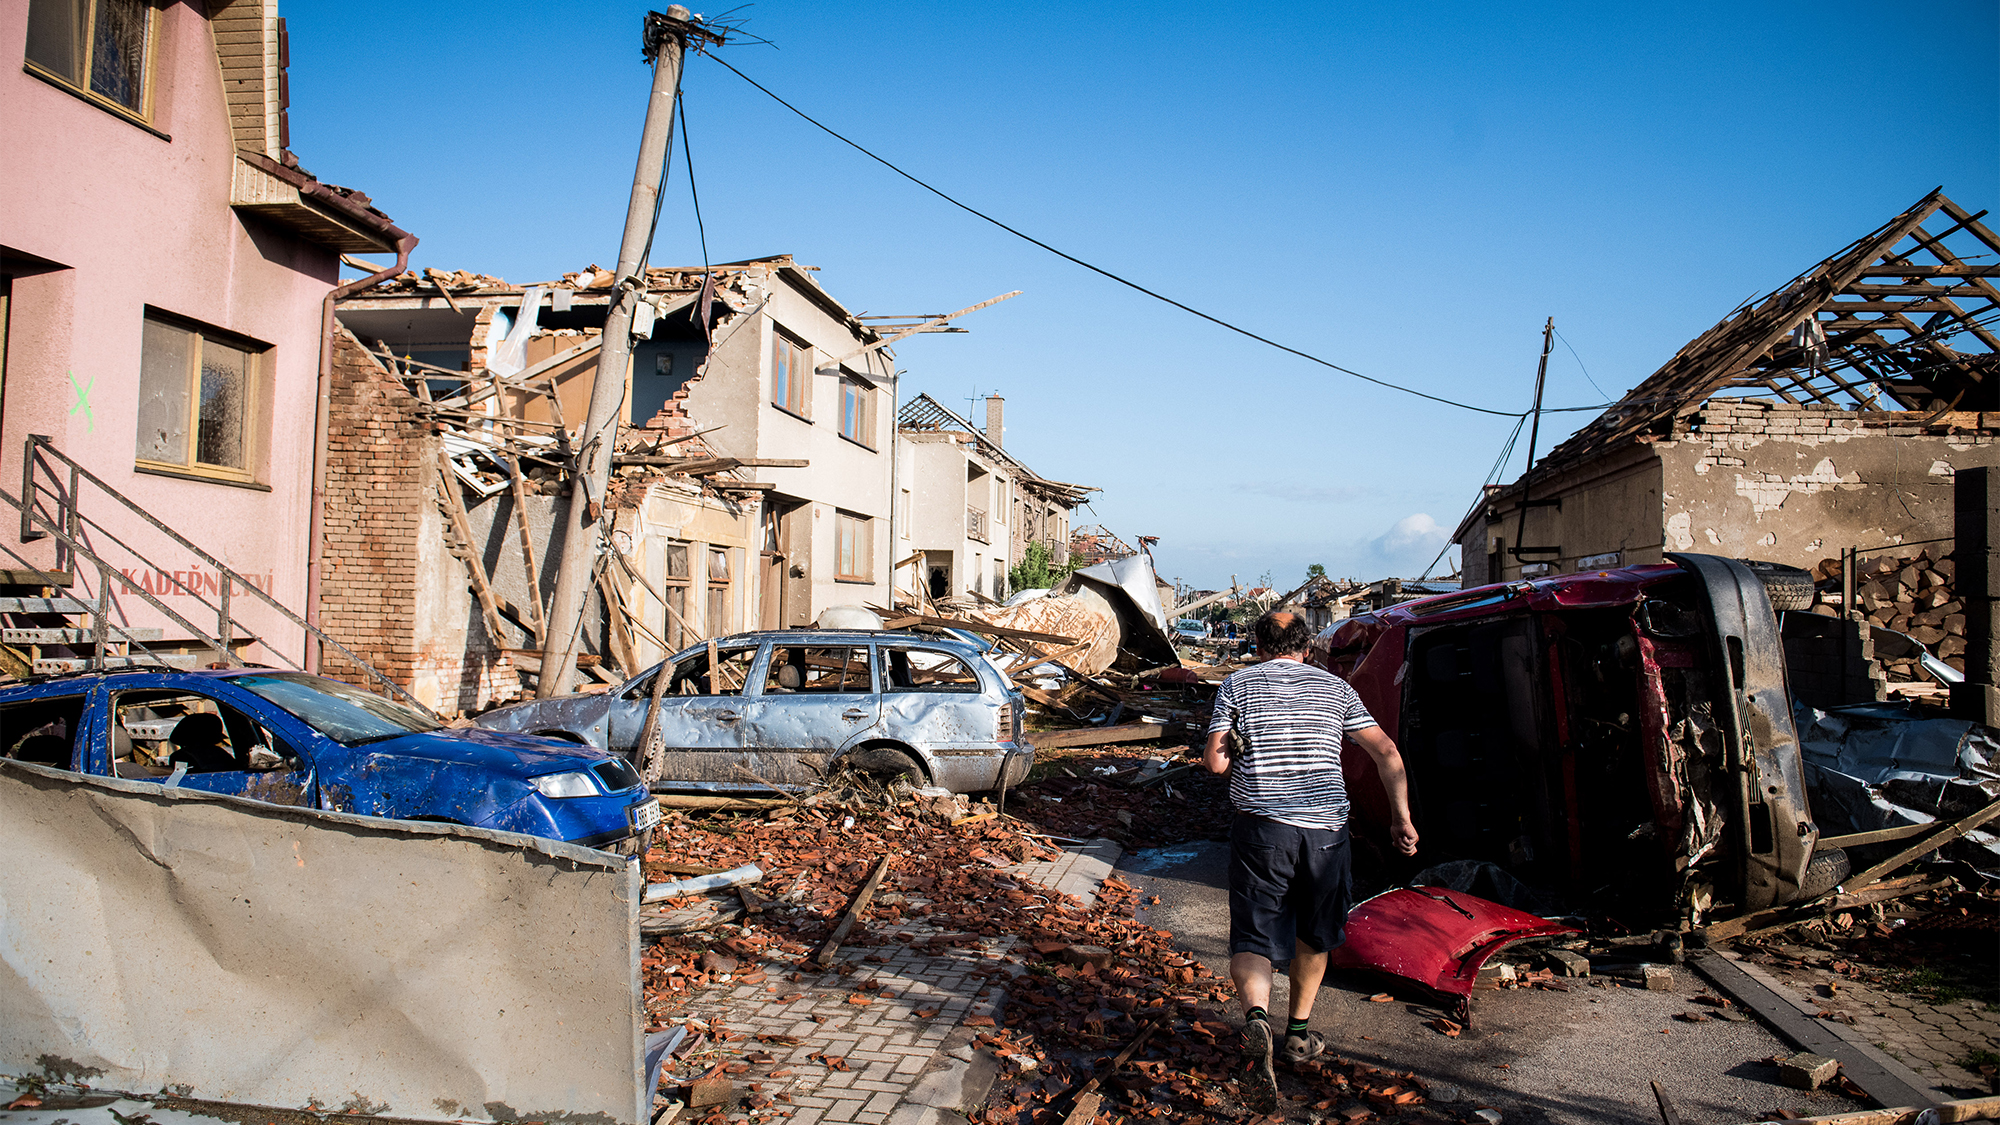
[1870,767]
[245,953]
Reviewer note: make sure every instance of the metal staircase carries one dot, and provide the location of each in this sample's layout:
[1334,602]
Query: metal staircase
[67,617]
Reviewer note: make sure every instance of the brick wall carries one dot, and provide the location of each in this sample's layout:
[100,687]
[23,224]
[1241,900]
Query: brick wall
[381,502]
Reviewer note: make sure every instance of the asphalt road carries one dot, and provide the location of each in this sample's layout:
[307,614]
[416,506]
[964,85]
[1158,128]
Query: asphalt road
[1583,1057]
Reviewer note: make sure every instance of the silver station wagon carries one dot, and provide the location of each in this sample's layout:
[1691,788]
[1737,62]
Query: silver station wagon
[779,710]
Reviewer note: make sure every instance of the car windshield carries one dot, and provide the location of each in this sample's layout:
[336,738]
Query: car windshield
[339,711]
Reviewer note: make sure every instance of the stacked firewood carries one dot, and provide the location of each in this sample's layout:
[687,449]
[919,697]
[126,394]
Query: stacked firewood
[1911,593]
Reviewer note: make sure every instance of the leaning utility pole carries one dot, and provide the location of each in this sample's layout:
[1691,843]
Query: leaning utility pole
[666,39]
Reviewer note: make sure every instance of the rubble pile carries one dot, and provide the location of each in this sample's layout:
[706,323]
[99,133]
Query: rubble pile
[1139,801]
[1084,981]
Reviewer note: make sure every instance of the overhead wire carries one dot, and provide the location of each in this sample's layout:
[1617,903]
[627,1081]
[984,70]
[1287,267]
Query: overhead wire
[1101,271]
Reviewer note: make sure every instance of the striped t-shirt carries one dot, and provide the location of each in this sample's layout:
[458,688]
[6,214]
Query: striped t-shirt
[1290,719]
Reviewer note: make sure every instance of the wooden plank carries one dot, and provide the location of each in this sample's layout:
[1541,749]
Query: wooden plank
[527,536]
[855,910]
[908,620]
[1056,657]
[1923,847]
[899,334]
[614,608]
[1097,736]
[1878,836]
[1963,1109]
[454,507]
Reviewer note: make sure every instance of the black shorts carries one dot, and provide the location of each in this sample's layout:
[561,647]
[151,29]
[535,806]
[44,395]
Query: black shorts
[1287,886]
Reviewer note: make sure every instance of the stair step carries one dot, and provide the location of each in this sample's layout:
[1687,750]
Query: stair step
[44,605]
[34,577]
[74,636]
[59,665]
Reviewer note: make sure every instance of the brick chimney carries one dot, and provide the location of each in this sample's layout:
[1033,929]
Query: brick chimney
[994,405]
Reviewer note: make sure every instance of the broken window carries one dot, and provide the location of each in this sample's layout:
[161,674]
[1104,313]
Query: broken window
[718,591]
[196,397]
[43,731]
[857,409]
[830,670]
[928,670]
[791,375]
[675,587]
[856,541]
[691,675]
[97,47]
[155,733]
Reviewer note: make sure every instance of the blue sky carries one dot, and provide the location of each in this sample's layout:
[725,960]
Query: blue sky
[1405,190]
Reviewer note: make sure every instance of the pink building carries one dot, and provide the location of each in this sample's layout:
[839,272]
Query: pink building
[164,264]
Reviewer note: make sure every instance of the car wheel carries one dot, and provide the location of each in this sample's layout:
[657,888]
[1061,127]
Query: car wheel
[1790,589]
[888,763]
[1824,872]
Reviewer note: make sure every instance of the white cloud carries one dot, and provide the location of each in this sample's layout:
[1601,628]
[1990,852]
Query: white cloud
[1408,546]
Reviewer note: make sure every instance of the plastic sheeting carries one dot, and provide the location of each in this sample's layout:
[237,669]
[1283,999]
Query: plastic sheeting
[231,951]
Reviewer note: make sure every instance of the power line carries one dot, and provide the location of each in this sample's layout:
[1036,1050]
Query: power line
[687,158]
[1580,366]
[1218,321]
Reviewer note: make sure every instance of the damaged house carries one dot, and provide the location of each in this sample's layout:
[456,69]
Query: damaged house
[1830,413]
[750,489]
[160,331]
[969,508]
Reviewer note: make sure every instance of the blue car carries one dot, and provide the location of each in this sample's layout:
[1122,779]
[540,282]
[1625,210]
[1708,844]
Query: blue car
[290,738]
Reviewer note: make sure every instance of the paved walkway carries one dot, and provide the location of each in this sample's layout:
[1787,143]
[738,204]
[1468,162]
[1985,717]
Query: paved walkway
[884,1037]
[1918,1042]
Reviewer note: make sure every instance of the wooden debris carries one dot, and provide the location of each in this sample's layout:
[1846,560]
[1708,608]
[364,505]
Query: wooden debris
[855,910]
[1097,736]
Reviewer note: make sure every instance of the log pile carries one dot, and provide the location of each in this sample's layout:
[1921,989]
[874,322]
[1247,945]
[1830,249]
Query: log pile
[1911,593]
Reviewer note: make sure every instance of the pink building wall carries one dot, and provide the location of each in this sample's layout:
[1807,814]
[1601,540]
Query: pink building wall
[131,219]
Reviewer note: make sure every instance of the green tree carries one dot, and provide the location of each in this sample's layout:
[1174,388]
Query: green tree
[1315,571]
[1039,568]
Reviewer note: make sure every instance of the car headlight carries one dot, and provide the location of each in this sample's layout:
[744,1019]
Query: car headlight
[576,783]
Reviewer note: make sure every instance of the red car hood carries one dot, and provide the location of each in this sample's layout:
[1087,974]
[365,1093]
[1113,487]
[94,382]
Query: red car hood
[1436,937]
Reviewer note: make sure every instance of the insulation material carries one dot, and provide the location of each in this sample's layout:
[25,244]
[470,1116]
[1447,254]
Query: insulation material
[1085,616]
[238,952]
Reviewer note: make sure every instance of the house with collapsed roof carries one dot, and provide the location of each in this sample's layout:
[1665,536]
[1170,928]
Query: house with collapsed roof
[1830,413]
[751,481]
[970,508]
[164,260]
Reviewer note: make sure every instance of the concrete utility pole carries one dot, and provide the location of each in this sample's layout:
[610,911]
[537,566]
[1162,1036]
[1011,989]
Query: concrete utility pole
[665,44]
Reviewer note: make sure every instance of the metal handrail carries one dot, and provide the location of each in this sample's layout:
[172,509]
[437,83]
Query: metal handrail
[70,544]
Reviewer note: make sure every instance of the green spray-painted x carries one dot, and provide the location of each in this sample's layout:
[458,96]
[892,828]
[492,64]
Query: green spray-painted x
[83,401]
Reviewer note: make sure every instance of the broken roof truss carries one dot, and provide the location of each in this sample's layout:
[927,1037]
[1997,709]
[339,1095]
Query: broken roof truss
[1903,319]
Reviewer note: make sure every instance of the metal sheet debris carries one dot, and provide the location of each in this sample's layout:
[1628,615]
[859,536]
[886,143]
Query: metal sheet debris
[230,951]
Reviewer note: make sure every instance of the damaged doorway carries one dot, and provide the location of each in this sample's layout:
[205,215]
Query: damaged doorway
[785,584]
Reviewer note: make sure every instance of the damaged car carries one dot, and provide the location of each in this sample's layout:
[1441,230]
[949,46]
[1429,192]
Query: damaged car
[290,738]
[1622,736]
[780,710]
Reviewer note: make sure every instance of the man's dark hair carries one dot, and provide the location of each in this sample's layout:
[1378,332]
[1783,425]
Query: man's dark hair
[1282,634]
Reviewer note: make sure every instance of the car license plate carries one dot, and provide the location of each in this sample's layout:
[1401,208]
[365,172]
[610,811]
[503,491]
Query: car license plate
[646,816]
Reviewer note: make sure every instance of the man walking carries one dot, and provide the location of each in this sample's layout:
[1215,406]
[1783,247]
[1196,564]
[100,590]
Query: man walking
[1289,884]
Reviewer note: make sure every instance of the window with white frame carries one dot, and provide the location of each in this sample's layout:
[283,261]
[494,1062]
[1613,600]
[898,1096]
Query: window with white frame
[199,398]
[718,592]
[791,374]
[99,48]
[855,547]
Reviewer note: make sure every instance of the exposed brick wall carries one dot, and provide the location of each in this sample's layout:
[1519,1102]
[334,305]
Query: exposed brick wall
[381,497]
[376,454]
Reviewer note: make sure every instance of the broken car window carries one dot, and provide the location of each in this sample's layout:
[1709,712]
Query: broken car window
[796,668]
[691,675]
[339,711]
[924,669]
[42,732]
[153,732]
